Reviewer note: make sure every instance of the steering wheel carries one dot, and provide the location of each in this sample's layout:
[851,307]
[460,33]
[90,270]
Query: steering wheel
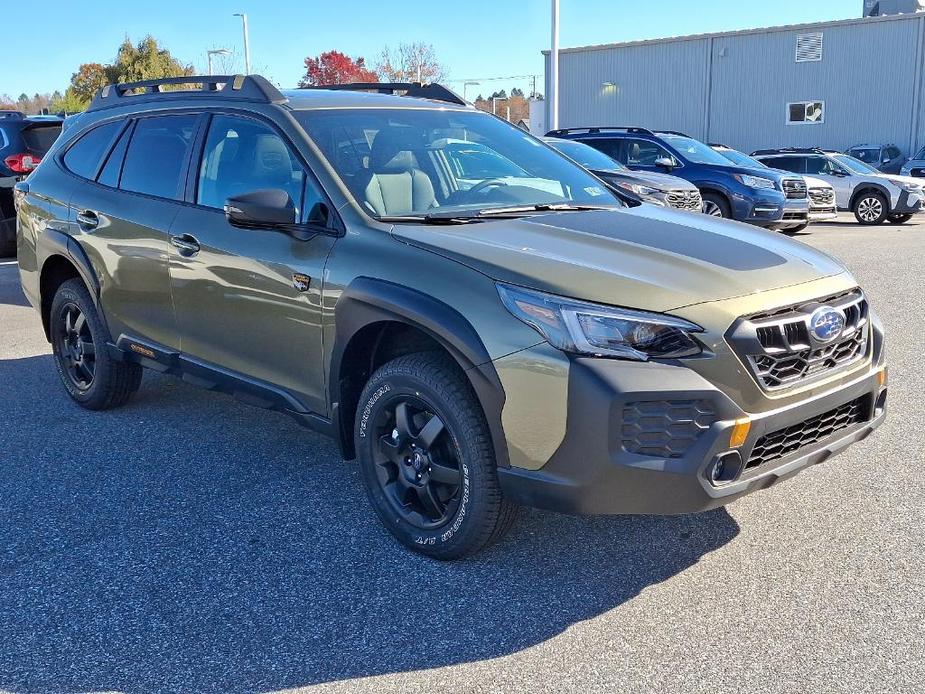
[487,183]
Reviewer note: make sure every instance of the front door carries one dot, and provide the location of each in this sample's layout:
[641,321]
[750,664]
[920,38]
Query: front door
[249,300]
[834,174]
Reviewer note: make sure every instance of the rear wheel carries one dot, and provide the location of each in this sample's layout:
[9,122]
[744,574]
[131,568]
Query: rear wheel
[78,339]
[716,206]
[871,209]
[427,459]
[899,218]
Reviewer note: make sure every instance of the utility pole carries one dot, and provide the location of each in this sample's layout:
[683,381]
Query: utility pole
[247,48]
[553,96]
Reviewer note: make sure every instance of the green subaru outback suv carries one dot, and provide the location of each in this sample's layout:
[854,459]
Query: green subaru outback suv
[474,318]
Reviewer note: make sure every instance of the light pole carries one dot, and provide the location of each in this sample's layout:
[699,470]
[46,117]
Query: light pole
[247,47]
[216,51]
[469,83]
[554,69]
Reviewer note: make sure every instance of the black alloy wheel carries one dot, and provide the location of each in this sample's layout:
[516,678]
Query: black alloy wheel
[417,463]
[75,346]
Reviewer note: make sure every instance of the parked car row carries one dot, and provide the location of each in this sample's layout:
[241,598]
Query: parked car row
[24,141]
[784,189]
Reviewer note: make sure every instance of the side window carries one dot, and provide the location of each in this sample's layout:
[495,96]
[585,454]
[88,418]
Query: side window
[156,155]
[794,164]
[644,153]
[243,155]
[84,156]
[893,152]
[612,148]
[820,165]
[109,176]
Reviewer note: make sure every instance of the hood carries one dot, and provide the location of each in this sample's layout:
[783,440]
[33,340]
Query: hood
[903,179]
[644,257]
[652,179]
[813,182]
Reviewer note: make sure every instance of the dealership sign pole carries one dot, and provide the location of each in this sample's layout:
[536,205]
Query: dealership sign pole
[554,70]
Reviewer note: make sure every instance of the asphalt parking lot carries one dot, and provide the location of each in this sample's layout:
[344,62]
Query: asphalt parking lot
[190,543]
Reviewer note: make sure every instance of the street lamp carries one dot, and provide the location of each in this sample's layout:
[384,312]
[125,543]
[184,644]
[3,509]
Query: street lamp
[216,51]
[247,49]
[469,83]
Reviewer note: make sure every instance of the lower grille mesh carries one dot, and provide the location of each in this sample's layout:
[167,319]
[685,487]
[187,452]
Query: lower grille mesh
[664,428]
[783,442]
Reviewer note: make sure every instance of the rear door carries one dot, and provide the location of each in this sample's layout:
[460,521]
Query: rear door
[123,219]
[249,300]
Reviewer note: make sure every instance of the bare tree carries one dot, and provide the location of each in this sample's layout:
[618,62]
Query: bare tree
[411,62]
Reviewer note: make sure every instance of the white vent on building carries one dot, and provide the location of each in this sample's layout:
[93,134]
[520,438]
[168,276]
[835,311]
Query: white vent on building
[809,48]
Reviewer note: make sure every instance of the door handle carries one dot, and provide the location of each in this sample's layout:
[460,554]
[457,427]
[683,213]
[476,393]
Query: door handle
[186,244]
[88,220]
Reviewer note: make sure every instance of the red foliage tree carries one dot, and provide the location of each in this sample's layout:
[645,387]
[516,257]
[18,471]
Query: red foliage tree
[333,67]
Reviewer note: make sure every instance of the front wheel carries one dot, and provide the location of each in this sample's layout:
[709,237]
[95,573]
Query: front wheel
[716,206]
[794,230]
[899,218]
[427,459]
[871,209]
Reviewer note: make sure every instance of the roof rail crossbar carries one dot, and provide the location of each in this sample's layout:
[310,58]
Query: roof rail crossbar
[434,91]
[600,129]
[242,87]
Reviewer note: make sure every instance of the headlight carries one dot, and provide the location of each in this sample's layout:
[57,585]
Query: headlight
[911,187]
[594,329]
[648,194]
[755,181]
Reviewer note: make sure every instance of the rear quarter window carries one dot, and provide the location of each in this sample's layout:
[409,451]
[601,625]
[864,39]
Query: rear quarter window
[84,156]
[156,155]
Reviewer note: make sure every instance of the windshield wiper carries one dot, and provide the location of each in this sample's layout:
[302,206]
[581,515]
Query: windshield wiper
[544,207]
[472,216]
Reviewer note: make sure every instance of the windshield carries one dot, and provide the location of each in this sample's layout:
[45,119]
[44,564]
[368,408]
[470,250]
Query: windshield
[586,155]
[417,162]
[866,154]
[854,164]
[740,159]
[695,151]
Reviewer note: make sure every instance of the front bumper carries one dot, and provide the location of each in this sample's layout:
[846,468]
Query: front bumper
[823,214]
[592,472]
[909,203]
[761,207]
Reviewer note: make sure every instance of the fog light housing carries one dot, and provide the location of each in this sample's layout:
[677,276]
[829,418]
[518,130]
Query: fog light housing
[724,468]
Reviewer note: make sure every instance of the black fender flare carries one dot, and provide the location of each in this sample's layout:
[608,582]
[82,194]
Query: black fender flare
[861,187]
[366,301]
[55,242]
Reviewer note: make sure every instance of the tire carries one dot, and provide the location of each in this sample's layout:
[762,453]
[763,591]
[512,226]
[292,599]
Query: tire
[7,237]
[899,218]
[871,208]
[78,338]
[716,206]
[794,230]
[426,458]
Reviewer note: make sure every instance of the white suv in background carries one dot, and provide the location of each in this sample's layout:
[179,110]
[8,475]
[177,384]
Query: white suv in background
[872,196]
[821,195]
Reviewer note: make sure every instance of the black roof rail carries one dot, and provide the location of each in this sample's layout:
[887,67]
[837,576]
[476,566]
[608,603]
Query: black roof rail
[789,150]
[671,132]
[7,114]
[434,91]
[239,87]
[600,129]
[718,144]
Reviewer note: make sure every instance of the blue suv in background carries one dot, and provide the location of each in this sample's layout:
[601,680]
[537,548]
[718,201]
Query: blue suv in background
[758,196]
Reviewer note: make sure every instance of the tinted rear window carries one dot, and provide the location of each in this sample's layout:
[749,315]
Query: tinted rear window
[83,157]
[40,138]
[157,154]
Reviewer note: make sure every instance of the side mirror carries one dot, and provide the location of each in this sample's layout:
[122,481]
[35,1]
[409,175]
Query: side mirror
[665,163]
[261,209]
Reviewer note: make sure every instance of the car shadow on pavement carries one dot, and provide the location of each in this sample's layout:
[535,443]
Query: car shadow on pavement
[189,543]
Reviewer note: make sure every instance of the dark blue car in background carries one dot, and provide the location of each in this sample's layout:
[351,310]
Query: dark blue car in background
[758,196]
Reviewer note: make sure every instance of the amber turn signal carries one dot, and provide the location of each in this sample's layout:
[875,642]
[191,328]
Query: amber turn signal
[740,432]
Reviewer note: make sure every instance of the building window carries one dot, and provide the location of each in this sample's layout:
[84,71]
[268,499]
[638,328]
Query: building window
[805,112]
[809,48]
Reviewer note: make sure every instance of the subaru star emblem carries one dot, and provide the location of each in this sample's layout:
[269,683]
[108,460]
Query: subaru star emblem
[826,324]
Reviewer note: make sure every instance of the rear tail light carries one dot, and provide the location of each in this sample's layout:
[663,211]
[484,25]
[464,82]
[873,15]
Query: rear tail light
[22,163]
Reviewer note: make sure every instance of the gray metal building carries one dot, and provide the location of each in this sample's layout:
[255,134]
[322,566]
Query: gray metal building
[831,84]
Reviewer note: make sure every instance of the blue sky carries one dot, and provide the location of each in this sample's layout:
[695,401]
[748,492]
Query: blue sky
[473,38]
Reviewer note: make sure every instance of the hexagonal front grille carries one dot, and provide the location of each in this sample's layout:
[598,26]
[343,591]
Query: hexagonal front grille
[665,428]
[822,197]
[780,352]
[689,200]
[794,188]
[783,442]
